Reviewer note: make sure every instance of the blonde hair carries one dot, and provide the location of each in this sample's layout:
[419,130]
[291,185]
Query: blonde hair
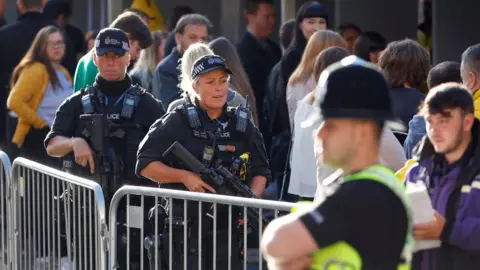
[324,59]
[148,57]
[239,79]
[320,41]
[189,57]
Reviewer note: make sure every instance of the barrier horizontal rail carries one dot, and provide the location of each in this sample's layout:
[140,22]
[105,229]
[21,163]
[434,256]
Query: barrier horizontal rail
[135,219]
[59,220]
[6,233]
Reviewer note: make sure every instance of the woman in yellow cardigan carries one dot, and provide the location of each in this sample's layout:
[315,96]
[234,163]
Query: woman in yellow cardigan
[39,85]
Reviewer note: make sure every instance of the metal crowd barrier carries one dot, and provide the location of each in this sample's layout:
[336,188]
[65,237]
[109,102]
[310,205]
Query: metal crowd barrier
[58,219]
[5,212]
[179,229]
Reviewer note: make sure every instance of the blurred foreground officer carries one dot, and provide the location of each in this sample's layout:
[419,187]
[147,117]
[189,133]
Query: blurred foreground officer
[119,115]
[210,132]
[365,223]
[449,165]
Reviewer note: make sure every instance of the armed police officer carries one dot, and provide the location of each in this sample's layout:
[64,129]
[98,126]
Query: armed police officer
[97,130]
[213,134]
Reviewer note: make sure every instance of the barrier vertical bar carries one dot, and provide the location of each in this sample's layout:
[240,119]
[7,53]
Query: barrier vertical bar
[6,212]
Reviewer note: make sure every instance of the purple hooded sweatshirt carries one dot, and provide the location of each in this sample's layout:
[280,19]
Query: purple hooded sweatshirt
[455,193]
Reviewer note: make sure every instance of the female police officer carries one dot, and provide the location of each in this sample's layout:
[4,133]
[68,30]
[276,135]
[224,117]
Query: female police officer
[202,125]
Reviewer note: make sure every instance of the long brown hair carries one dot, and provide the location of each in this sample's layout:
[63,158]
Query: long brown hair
[320,41]
[239,80]
[38,53]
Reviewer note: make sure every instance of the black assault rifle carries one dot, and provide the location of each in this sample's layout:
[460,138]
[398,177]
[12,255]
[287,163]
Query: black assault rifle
[219,178]
[108,168]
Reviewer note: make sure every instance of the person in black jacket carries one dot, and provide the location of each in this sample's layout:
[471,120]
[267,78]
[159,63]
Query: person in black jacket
[178,12]
[60,11]
[15,40]
[190,29]
[311,17]
[257,52]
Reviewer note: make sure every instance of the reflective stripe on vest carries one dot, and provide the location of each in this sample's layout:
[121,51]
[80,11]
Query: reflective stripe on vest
[341,255]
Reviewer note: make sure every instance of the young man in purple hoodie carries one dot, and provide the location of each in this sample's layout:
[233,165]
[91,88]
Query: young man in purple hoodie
[449,164]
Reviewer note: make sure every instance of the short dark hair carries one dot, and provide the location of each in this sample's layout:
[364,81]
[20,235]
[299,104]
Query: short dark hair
[251,6]
[31,3]
[178,12]
[448,71]
[346,26]
[369,42]
[448,96]
[471,60]
[54,8]
[377,128]
[287,29]
[190,19]
[135,28]
[405,61]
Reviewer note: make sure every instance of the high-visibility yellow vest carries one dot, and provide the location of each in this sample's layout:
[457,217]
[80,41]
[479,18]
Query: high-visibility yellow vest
[342,256]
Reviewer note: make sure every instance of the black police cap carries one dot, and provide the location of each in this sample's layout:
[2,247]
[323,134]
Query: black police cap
[111,40]
[209,63]
[353,88]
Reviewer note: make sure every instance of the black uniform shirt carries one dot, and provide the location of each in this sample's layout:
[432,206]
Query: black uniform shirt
[67,120]
[174,127]
[368,216]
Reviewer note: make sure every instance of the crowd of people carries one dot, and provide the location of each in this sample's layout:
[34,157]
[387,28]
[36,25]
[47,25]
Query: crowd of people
[220,100]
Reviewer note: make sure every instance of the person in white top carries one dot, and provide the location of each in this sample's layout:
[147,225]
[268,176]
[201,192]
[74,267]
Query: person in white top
[301,82]
[302,162]
[307,174]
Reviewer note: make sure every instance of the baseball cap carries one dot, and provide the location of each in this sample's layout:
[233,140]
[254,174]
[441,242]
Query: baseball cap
[353,88]
[111,40]
[208,63]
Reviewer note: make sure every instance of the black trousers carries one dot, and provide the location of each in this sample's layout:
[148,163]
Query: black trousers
[12,149]
[221,260]
[33,147]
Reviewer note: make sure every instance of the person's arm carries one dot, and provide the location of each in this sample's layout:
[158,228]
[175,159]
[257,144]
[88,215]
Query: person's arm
[59,146]
[349,211]
[464,233]
[259,162]
[291,104]
[258,185]
[28,84]
[391,151]
[59,141]
[150,163]
[286,239]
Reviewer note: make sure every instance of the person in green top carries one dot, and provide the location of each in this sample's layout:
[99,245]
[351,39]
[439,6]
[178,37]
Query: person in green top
[365,222]
[139,37]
